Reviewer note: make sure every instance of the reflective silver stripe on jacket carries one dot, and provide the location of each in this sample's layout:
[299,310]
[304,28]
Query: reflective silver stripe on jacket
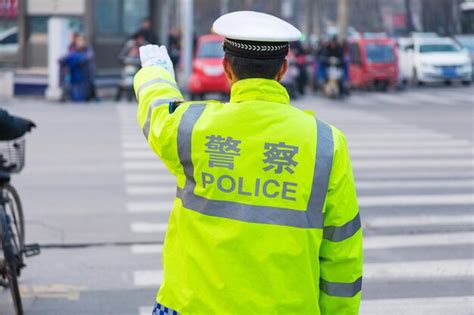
[340,289]
[151,82]
[311,218]
[156,103]
[340,233]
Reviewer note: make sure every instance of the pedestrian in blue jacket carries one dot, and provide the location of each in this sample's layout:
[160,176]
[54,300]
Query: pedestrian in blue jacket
[79,63]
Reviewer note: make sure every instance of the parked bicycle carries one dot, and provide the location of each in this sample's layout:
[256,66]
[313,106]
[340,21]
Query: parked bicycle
[12,222]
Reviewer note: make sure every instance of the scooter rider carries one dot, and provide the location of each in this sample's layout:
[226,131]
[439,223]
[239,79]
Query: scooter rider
[332,49]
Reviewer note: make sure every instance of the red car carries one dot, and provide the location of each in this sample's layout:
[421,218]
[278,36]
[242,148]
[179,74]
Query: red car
[208,73]
[373,63]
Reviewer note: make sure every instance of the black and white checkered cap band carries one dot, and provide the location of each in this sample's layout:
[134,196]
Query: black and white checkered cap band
[256,50]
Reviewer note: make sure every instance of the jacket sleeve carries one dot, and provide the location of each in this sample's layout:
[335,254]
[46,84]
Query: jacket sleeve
[341,247]
[155,88]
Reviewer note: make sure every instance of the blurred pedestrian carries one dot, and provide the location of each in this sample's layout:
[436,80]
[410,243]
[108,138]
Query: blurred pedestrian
[131,47]
[174,46]
[79,62]
[331,49]
[322,59]
[335,49]
[345,67]
[129,55]
[91,56]
[64,75]
[147,32]
[72,43]
[301,63]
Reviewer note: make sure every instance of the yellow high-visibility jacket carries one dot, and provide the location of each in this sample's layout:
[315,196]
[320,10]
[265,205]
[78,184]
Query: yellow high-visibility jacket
[265,219]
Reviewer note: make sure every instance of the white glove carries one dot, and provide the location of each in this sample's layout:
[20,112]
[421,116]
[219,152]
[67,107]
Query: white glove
[154,55]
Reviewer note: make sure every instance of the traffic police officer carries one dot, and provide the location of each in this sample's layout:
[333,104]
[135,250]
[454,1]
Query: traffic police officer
[265,219]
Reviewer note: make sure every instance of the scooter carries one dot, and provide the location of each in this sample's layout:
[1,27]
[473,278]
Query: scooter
[290,79]
[333,87]
[131,65]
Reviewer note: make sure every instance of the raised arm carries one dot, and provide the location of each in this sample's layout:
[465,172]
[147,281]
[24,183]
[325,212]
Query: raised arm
[155,87]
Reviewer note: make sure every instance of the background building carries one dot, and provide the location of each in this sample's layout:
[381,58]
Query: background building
[107,24]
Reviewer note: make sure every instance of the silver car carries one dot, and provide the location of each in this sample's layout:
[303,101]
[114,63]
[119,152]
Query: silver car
[8,46]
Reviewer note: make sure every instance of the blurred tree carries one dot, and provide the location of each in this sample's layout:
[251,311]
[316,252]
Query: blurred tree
[409,16]
[274,7]
[309,17]
[440,16]
[318,17]
[249,4]
[342,18]
[366,15]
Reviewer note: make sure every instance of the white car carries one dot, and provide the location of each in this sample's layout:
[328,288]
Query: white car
[8,46]
[435,59]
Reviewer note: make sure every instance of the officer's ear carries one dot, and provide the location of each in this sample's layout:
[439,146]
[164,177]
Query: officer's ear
[229,73]
[283,69]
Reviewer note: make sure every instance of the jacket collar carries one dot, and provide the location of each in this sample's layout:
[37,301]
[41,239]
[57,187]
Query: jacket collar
[265,90]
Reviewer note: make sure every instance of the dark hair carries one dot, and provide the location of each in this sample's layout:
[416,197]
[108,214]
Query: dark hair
[245,68]
[137,35]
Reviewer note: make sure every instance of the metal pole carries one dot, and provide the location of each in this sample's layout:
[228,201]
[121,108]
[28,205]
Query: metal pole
[165,21]
[58,36]
[342,18]
[318,18]
[22,33]
[89,22]
[288,9]
[309,18]
[409,16]
[187,40]
[224,6]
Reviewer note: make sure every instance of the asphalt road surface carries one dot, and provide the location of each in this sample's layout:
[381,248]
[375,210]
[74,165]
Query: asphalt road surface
[97,200]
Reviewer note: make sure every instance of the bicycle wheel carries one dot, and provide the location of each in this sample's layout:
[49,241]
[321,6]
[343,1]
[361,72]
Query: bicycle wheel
[14,210]
[10,263]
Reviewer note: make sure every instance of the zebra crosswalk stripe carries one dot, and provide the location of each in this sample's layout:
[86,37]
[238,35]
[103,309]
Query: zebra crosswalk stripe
[145,310]
[148,278]
[409,143]
[416,183]
[144,166]
[417,199]
[147,190]
[150,207]
[146,227]
[411,152]
[146,249]
[413,174]
[399,271]
[412,163]
[418,240]
[420,220]
[460,305]
[147,178]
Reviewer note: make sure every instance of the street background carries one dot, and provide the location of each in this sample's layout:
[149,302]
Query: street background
[97,199]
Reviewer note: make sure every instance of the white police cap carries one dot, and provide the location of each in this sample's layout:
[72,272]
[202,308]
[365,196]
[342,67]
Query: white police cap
[255,35]
[255,26]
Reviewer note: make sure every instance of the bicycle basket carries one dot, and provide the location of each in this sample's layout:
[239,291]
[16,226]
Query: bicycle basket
[12,155]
